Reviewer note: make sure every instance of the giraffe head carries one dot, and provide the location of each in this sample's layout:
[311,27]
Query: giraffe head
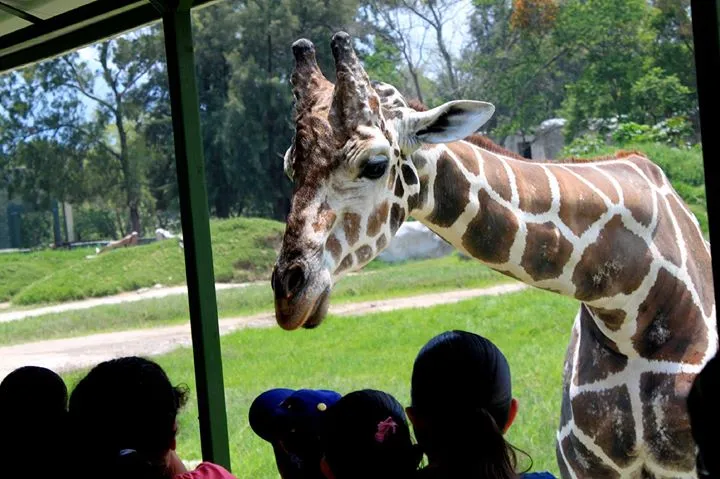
[354,181]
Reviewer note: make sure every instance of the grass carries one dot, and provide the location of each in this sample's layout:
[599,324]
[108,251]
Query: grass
[532,328]
[381,281]
[244,249]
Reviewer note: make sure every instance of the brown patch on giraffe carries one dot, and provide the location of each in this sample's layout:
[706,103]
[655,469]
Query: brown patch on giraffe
[665,420]
[345,264]
[374,104]
[580,458]
[496,175]
[607,417]
[391,177]
[419,162]
[599,181]
[333,245]
[363,254]
[699,264]
[451,191]
[636,191]
[670,326]
[617,262]
[424,190]
[466,155]
[664,234]
[378,218]
[409,175]
[580,206]
[381,242]
[351,225]
[491,232]
[566,406]
[397,216]
[325,218]
[396,152]
[612,318]
[533,187]
[547,251]
[413,201]
[651,170]
[399,189]
[600,354]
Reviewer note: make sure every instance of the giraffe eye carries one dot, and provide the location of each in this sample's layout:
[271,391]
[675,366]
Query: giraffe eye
[375,167]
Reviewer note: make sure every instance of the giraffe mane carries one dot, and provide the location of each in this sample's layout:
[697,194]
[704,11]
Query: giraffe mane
[476,138]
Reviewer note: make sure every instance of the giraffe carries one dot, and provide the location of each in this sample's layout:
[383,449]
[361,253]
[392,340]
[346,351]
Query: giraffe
[611,233]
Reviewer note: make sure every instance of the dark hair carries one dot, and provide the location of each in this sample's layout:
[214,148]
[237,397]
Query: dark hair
[461,396]
[366,434]
[33,409]
[702,403]
[123,418]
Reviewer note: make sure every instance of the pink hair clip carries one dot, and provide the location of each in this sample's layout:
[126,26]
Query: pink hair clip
[385,427]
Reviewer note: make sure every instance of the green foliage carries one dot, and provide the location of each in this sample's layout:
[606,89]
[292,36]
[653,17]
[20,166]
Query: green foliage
[244,249]
[36,229]
[94,224]
[385,281]
[377,352]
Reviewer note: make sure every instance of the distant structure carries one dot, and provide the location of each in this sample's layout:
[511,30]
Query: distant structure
[546,144]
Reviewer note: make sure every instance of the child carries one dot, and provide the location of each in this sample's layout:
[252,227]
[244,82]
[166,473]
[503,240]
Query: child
[462,405]
[33,422]
[366,435]
[291,421]
[123,415]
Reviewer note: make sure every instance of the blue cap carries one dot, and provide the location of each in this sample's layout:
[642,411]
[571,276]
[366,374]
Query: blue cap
[277,412]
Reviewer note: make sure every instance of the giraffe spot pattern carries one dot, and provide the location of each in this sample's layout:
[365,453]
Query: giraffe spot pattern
[636,191]
[378,218]
[599,181]
[651,170]
[566,405]
[669,324]
[391,177]
[496,175]
[448,204]
[363,254]
[546,251]
[466,155]
[325,219]
[381,242]
[399,189]
[345,264]
[424,190]
[413,201]
[617,262]
[699,264]
[397,216]
[409,175]
[333,245]
[580,206]
[664,234]
[666,426]
[607,417]
[600,356]
[351,225]
[580,458]
[612,318]
[533,187]
[489,235]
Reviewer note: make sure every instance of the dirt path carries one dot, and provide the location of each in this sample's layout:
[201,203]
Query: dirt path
[74,353]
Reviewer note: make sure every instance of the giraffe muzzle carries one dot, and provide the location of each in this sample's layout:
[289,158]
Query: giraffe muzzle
[301,298]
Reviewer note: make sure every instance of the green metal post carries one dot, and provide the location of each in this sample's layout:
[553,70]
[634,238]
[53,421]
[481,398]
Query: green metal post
[196,236]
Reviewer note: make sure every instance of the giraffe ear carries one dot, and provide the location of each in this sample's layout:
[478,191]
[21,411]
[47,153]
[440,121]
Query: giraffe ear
[451,121]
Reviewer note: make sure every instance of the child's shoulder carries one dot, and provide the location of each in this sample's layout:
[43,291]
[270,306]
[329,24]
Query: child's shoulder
[206,470]
[537,475]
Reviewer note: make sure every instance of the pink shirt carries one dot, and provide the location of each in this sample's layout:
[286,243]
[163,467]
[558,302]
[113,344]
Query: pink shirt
[206,470]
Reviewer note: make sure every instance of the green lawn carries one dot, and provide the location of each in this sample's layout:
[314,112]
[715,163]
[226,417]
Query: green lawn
[244,249]
[380,281]
[377,351]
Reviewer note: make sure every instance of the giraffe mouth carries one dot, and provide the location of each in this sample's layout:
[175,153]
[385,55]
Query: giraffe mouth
[303,312]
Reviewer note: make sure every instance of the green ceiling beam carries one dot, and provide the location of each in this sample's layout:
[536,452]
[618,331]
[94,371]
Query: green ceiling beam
[28,17]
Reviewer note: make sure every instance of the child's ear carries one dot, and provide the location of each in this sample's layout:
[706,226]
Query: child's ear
[325,469]
[449,122]
[512,413]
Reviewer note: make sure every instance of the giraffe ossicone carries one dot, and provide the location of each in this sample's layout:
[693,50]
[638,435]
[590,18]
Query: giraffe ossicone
[612,233]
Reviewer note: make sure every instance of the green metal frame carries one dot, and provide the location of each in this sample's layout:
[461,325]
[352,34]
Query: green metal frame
[196,235]
[706,38]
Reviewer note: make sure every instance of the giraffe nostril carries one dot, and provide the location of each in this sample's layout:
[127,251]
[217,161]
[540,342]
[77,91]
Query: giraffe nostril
[294,281]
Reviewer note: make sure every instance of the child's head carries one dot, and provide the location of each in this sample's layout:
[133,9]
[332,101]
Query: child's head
[367,435]
[33,410]
[462,404]
[703,403]
[291,421]
[123,415]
